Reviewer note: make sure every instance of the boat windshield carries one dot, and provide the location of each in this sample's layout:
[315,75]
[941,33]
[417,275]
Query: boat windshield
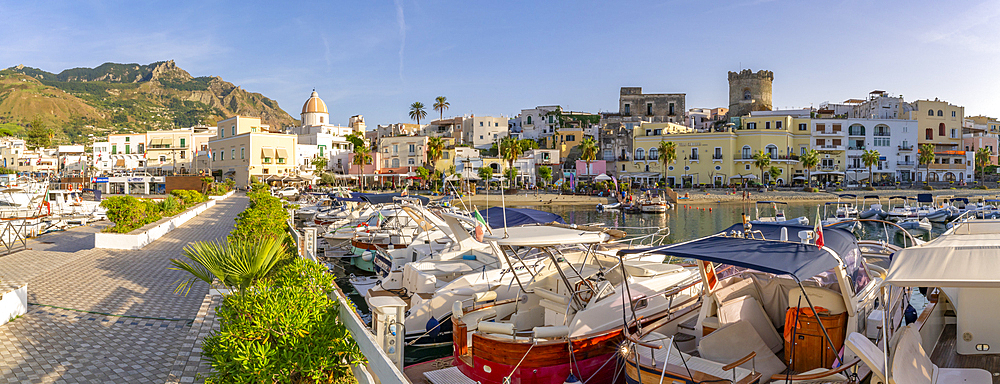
[857,271]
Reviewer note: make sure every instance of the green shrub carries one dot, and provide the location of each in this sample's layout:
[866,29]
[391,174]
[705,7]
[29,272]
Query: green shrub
[129,213]
[171,205]
[928,188]
[265,215]
[285,328]
[839,190]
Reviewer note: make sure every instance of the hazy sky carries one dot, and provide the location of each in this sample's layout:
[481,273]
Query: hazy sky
[490,58]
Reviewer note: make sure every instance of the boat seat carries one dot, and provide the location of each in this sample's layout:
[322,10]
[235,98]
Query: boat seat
[870,354]
[736,287]
[694,363]
[649,269]
[735,341]
[552,296]
[472,320]
[746,309]
[820,297]
[554,306]
[495,328]
[551,332]
[910,364]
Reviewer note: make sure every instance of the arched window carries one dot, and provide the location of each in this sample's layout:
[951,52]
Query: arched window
[746,94]
[941,130]
[940,113]
[856,130]
[529,119]
[772,151]
[495,166]
[930,112]
[640,154]
[395,163]
[929,134]
[747,152]
[881,130]
[653,154]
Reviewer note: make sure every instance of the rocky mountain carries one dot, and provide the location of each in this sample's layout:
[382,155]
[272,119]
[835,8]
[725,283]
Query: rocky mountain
[125,97]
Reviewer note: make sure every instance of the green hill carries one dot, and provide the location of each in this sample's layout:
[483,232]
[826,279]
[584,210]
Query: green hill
[125,97]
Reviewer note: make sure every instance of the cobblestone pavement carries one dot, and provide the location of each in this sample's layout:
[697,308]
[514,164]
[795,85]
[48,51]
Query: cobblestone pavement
[134,330]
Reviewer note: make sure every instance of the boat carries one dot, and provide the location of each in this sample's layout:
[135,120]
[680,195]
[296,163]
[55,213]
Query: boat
[933,212]
[874,209]
[567,320]
[608,207]
[755,284]
[951,339]
[841,218]
[915,223]
[652,201]
[779,214]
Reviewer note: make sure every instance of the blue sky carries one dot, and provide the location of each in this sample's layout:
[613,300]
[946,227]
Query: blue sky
[490,58]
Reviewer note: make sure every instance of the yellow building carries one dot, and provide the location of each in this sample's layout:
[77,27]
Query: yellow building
[566,140]
[723,156]
[940,123]
[244,148]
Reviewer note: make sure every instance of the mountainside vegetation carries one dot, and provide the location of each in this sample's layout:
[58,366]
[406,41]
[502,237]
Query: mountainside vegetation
[113,98]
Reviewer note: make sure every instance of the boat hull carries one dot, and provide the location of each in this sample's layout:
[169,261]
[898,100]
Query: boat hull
[653,208]
[598,368]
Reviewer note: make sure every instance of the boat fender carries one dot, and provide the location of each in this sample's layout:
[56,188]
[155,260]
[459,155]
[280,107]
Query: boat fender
[456,310]
[571,379]
[432,325]
[468,257]
[368,256]
[910,314]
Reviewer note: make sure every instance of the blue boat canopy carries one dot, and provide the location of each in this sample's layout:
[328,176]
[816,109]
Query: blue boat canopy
[771,202]
[802,261]
[847,195]
[518,216]
[925,198]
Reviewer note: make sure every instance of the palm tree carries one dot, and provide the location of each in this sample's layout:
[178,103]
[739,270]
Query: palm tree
[435,148]
[234,264]
[588,151]
[417,111]
[925,156]
[361,154]
[668,154]
[761,160]
[870,158]
[774,172]
[545,173]
[982,160]
[809,160]
[441,104]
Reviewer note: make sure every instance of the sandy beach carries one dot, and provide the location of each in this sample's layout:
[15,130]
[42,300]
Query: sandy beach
[718,196]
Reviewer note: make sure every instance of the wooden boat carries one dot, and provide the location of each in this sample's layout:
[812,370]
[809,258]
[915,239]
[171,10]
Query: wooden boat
[756,283]
[652,201]
[567,321]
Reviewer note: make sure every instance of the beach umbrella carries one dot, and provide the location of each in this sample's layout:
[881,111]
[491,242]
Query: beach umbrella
[602,177]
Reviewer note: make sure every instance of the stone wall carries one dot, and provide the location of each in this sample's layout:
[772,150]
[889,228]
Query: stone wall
[757,84]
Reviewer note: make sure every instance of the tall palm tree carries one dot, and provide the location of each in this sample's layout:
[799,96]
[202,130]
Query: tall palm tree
[417,111]
[761,160]
[982,160]
[668,154]
[588,151]
[870,158]
[441,104]
[435,148]
[925,156]
[809,160]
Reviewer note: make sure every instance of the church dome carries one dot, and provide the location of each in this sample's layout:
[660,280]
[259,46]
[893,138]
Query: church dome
[314,104]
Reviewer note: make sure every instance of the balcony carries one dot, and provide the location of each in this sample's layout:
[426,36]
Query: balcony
[905,163]
[905,148]
[717,157]
[829,132]
[830,147]
[855,133]
[856,148]
[947,166]
[828,168]
[693,157]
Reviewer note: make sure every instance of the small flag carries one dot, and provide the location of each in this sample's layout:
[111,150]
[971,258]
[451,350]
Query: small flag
[380,219]
[480,218]
[819,229]
[480,232]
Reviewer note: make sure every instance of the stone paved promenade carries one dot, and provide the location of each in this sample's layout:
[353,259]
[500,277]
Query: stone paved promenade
[151,337]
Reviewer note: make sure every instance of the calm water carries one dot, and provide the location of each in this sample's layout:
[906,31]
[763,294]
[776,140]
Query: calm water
[691,221]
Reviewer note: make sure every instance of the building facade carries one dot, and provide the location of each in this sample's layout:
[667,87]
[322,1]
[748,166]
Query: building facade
[245,148]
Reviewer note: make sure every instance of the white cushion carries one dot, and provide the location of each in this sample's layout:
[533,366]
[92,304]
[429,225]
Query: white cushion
[747,309]
[910,363]
[964,375]
[734,342]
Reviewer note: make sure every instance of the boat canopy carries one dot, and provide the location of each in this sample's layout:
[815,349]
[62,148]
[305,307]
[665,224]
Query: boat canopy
[962,199]
[802,261]
[925,198]
[518,216]
[770,202]
[871,197]
[546,235]
[966,256]
[901,197]
[377,198]
[839,203]
[847,195]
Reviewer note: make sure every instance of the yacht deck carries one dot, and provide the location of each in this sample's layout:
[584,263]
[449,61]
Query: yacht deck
[944,355]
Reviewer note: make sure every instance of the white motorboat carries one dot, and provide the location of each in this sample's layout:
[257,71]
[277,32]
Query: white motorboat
[874,210]
[779,215]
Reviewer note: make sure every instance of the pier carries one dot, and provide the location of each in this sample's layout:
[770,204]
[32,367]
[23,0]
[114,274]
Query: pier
[110,316]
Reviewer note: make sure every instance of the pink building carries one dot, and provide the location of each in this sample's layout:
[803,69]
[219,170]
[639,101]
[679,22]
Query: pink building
[597,167]
[368,169]
[973,142]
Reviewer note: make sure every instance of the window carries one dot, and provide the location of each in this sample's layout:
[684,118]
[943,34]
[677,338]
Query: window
[881,142]
[570,138]
[671,107]
[803,127]
[777,125]
[412,148]
[529,120]
[480,123]
[385,163]
[930,112]
[941,130]
[803,150]
[746,94]
[747,152]
[940,113]
[751,125]
[445,155]
[718,153]
[215,155]
[281,160]
[395,147]
[114,149]
[649,108]
[182,154]
[233,131]
[127,139]
[267,171]
[223,153]
[767,125]
[608,155]
[183,143]
[128,149]
[627,110]
[410,161]
[929,134]
[657,132]
[952,113]
[496,124]
[881,130]
[772,151]
[640,154]
[954,133]
[395,163]
[694,153]
[163,159]
[222,132]
[233,152]
[653,154]
[857,130]
[267,160]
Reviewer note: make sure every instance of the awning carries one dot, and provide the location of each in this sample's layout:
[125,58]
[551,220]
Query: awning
[602,177]
[802,261]
[267,152]
[543,235]
[817,173]
[799,178]
[120,163]
[517,216]
[968,259]
[748,176]
[282,153]
[154,141]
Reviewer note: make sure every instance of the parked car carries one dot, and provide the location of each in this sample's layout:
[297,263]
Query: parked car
[287,192]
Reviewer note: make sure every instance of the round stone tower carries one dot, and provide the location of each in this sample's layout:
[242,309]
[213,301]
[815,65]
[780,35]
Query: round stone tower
[749,91]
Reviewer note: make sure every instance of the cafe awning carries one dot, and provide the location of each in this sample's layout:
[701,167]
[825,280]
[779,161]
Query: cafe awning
[267,152]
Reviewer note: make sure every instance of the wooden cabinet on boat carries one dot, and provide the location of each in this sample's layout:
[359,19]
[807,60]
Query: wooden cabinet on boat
[811,349]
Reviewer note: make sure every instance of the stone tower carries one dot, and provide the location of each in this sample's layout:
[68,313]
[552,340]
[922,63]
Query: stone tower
[749,91]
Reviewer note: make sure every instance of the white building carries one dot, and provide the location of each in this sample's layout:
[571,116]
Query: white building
[72,159]
[482,131]
[535,123]
[330,140]
[128,152]
[894,139]
[11,149]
